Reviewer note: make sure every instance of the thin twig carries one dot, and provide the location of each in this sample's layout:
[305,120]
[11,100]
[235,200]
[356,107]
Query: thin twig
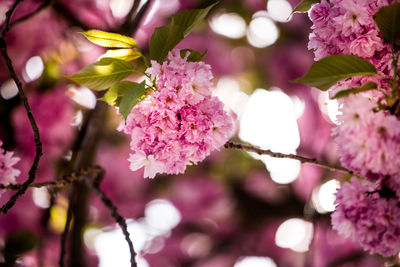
[135,23]
[45,4]
[68,15]
[38,143]
[64,235]
[268,152]
[118,218]
[65,181]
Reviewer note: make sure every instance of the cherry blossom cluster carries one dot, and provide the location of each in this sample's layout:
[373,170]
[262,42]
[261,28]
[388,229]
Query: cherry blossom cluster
[368,136]
[369,216]
[178,124]
[348,27]
[8,173]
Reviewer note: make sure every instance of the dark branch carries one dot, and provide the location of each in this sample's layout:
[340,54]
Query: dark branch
[260,151]
[118,218]
[64,235]
[134,25]
[45,4]
[38,143]
[65,181]
[69,16]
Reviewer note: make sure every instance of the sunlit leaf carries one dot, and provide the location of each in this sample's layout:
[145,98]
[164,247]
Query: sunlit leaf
[116,91]
[194,55]
[19,243]
[123,54]
[388,21]
[165,38]
[305,5]
[133,96]
[102,74]
[108,39]
[366,87]
[331,69]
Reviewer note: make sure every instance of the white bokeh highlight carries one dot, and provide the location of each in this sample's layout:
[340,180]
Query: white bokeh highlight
[295,234]
[279,10]
[8,89]
[262,31]
[323,197]
[34,68]
[269,122]
[255,261]
[83,96]
[230,25]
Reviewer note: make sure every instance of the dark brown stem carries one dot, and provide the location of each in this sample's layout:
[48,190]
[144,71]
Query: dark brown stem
[45,4]
[68,15]
[65,181]
[134,24]
[64,235]
[38,143]
[231,145]
[118,218]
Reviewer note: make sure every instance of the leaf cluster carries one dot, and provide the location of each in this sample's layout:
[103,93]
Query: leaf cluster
[114,65]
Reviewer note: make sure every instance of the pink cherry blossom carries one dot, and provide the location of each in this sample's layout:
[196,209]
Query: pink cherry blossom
[8,173]
[180,123]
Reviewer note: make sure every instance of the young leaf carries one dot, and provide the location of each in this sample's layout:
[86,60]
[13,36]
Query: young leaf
[134,95]
[123,54]
[388,21]
[194,55]
[366,87]
[188,19]
[117,90]
[305,5]
[165,38]
[102,74]
[108,39]
[331,69]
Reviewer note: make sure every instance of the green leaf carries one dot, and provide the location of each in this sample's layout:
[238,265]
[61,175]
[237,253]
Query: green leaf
[19,243]
[305,5]
[165,38]
[331,69]
[102,74]
[116,91]
[388,21]
[194,55]
[133,96]
[108,39]
[366,87]
[123,54]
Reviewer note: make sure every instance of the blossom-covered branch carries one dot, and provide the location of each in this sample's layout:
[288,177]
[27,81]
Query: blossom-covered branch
[270,153]
[24,100]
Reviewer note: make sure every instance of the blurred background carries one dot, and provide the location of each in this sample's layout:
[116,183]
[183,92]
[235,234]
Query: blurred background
[235,208]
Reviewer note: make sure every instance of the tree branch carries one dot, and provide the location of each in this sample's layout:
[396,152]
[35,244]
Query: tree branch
[65,181]
[118,218]
[38,143]
[45,4]
[259,151]
[64,235]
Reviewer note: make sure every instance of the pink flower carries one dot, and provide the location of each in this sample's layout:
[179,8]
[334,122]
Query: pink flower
[369,142]
[367,217]
[367,44]
[8,173]
[181,123]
